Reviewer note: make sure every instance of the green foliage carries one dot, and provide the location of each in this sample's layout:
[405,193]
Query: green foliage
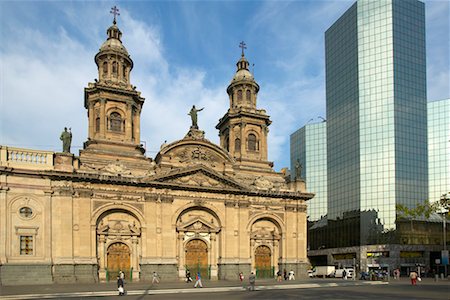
[424,209]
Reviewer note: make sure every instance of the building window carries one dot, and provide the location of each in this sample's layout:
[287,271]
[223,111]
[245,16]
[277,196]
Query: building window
[114,68]
[105,68]
[248,95]
[26,212]
[124,72]
[239,95]
[115,122]
[252,143]
[237,145]
[26,245]
[97,124]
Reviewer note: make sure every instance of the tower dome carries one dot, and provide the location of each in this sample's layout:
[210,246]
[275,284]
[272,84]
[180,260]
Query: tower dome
[113,61]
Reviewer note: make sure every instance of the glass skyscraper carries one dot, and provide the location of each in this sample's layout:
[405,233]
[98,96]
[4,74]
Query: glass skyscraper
[438,148]
[376,119]
[309,146]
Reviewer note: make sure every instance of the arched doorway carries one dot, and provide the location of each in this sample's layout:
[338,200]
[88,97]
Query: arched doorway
[197,258]
[263,262]
[118,257]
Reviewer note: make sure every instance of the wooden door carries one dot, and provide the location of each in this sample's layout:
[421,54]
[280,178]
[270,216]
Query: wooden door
[197,258]
[118,259]
[263,262]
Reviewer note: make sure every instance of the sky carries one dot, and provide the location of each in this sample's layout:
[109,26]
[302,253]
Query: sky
[184,54]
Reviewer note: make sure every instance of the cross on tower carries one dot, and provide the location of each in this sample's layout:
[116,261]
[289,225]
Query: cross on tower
[115,12]
[243,46]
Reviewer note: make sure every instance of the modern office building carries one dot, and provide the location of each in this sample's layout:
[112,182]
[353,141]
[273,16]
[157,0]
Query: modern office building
[309,150]
[438,148]
[376,140]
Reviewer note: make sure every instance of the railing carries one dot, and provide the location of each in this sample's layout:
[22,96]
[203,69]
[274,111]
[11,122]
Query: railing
[25,158]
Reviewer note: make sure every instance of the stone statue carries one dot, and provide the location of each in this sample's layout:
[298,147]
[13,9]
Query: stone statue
[66,138]
[193,114]
[298,170]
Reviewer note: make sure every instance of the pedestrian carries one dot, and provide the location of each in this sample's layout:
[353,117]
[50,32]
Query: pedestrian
[285,275]
[120,286]
[291,275]
[396,274]
[251,279]
[188,276]
[413,276]
[344,274]
[279,276]
[241,276]
[122,275]
[155,278]
[198,281]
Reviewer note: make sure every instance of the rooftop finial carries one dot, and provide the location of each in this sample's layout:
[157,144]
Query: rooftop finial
[115,12]
[243,46]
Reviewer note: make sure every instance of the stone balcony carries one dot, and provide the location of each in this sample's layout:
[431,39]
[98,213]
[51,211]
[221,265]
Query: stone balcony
[21,158]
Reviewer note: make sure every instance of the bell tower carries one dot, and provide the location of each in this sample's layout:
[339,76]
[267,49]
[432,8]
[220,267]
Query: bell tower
[243,129]
[113,104]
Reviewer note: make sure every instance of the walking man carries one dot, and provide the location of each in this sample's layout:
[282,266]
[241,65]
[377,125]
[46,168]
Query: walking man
[199,280]
[120,287]
[155,278]
[252,279]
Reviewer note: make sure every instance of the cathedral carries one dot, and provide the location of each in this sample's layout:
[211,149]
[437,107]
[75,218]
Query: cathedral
[196,206]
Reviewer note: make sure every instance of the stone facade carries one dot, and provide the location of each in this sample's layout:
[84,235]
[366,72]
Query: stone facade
[219,210]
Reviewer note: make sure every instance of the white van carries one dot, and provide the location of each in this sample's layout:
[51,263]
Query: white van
[338,273]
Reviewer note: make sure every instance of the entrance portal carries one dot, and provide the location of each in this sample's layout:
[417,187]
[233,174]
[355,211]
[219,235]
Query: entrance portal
[118,259]
[263,262]
[197,258]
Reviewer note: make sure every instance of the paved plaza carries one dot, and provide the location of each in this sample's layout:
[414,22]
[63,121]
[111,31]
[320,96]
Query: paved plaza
[265,289]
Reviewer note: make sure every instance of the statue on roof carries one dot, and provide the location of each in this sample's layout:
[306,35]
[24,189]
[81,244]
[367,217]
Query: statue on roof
[193,114]
[66,138]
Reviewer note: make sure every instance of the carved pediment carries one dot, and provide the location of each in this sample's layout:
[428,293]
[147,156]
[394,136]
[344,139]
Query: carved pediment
[199,176]
[197,225]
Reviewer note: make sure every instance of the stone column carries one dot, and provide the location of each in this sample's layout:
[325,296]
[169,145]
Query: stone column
[101,257]
[103,118]
[252,254]
[137,125]
[128,120]
[3,223]
[134,258]
[181,256]
[91,120]
[213,261]
[276,255]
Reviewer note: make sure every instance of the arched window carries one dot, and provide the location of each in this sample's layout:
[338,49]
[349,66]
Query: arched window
[239,95]
[105,68]
[97,124]
[225,144]
[237,145]
[252,143]
[114,68]
[115,122]
[248,95]
[124,72]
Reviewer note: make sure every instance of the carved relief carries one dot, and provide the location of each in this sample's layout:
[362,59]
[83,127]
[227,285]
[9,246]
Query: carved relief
[262,183]
[196,154]
[198,179]
[265,230]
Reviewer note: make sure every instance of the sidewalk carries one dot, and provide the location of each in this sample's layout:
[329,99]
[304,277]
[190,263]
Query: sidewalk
[146,288]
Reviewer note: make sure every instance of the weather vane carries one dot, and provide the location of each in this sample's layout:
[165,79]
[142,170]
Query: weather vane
[115,12]
[243,46]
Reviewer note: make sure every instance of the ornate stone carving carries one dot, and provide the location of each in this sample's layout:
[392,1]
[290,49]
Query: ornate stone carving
[198,179]
[263,183]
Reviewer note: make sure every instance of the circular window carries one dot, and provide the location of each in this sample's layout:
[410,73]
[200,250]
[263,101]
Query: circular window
[26,212]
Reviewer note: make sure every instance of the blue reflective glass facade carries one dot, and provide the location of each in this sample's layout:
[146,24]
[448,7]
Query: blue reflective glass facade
[309,146]
[376,119]
[438,148]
